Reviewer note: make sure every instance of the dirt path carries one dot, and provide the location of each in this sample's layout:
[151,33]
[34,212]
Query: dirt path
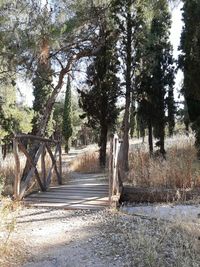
[59,238]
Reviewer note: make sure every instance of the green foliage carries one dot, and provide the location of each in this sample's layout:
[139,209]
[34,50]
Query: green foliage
[99,100]
[14,118]
[67,120]
[42,88]
[190,61]
[156,77]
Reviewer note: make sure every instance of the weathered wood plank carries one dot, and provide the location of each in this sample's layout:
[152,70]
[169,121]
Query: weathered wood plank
[159,195]
[30,173]
[60,163]
[43,167]
[68,201]
[33,137]
[32,164]
[17,170]
[66,207]
[67,197]
[53,157]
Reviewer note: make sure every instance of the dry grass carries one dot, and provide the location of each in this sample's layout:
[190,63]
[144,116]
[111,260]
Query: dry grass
[8,215]
[7,174]
[181,168]
[160,243]
[86,163]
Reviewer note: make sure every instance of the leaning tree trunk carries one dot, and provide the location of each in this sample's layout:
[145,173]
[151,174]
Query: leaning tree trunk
[103,144]
[44,119]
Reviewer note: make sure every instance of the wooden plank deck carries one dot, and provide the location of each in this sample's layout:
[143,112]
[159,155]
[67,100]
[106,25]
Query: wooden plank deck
[84,191]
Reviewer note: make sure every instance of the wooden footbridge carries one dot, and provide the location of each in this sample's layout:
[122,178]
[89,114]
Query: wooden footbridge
[82,191]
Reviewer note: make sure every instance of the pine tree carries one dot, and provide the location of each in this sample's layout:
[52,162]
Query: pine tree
[67,120]
[190,63]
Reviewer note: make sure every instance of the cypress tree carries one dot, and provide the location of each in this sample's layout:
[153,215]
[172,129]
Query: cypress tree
[171,108]
[190,63]
[67,120]
[157,76]
[99,101]
[132,120]
[42,88]
[124,14]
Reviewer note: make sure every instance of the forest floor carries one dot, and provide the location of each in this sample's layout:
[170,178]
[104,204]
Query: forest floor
[44,237]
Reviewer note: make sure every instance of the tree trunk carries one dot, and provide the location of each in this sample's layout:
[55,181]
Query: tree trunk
[162,142]
[126,120]
[103,144]
[150,138]
[43,121]
[161,121]
[67,146]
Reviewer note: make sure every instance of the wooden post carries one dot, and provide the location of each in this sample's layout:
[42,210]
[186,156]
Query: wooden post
[17,170]
[21,186]
[43,167]
[115,164]
[54,165]
[60,163]
[111,170]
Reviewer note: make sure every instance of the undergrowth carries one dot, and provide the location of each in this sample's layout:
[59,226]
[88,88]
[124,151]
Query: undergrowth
[8,215]
[181,169]
[86,163]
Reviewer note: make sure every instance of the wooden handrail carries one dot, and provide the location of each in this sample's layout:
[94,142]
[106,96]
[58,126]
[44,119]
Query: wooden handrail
[22,184]
[33,137]
[115,183]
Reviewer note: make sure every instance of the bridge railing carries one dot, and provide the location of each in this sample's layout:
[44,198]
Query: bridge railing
[115,181]
[24,179]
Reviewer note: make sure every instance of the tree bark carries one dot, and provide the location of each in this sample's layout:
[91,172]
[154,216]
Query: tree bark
[67,146]
[126,120]
[103,145]
[162,141]
[161,121]
[150,138]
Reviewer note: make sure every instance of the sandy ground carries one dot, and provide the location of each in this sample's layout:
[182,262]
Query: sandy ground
[46,237]
[184,213]
[104,238]
[141,236]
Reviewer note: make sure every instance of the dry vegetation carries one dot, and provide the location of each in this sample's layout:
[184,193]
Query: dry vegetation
[181,168]
[8,215]
[156,242]
[7,174]
[86,163]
